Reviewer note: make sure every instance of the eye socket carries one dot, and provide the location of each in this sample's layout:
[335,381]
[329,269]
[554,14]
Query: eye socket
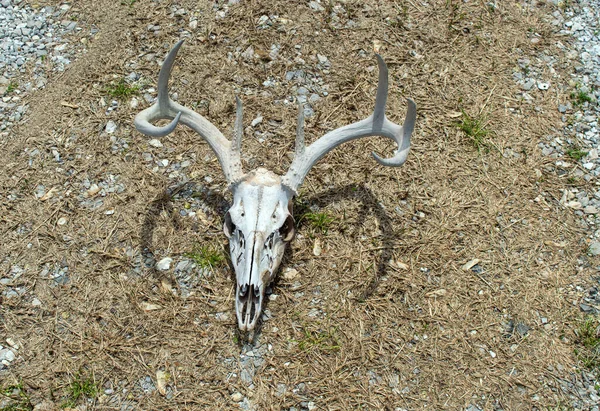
[288,229]
[228,226]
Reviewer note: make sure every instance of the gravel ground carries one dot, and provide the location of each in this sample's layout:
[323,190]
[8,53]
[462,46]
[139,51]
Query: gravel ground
[574,149]
[34,43]
[37,42]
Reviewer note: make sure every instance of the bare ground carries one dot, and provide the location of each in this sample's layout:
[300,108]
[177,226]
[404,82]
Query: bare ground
[384,335]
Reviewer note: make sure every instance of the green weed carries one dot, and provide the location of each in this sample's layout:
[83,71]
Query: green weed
[12,86]
[580,98]
[318,221]
[474,129]
[575,153]
[326,341]
[19,400]
[122,90]
[78,389]
[206,257]
[588,337]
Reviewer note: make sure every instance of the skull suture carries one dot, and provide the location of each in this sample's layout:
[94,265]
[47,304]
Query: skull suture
[259,224]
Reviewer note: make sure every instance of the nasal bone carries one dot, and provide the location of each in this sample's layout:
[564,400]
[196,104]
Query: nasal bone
[253,248]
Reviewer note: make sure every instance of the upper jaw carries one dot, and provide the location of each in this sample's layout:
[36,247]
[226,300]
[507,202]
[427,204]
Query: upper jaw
[248,307]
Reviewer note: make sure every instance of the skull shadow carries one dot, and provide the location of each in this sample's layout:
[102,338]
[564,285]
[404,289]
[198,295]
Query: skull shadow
[219,205]
[370,206]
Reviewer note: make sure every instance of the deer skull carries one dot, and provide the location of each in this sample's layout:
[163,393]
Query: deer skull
[259,224]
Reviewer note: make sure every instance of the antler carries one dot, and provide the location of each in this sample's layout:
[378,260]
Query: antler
[375,125]
[227,152]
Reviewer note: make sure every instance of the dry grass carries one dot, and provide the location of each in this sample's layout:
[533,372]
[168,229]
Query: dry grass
[389,337]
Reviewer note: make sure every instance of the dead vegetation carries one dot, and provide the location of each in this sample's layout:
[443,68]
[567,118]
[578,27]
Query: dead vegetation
[400,323]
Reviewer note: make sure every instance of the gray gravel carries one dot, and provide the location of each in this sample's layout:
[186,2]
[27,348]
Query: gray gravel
[36,40]
[575,151]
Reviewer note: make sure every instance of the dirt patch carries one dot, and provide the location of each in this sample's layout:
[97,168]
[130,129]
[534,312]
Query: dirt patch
[386,317]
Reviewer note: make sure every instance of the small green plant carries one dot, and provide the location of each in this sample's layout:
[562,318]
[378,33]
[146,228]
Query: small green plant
[588,336]
[122,90]
[318,221]
[12,86]
[129,3]
[78,389]
[326,341]
[565,4]
[474,129]
[580,98]
[576,153]
[19,400]
[206,257]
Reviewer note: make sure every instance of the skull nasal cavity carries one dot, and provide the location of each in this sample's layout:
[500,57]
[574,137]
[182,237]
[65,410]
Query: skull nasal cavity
[243,290]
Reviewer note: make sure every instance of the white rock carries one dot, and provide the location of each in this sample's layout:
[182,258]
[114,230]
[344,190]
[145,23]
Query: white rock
[164,264]
[134,103]
[248,54]
[237,397]
[594,248]
[110,127]
[7,355]
[62,221]
[317,249]
[257,121]
[36,303]
[93,190]
[316,6]
[290,274]
[155,143]
[543,86]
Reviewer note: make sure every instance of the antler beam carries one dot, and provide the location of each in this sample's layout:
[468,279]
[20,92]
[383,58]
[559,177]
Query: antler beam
[227,153]
[375,125]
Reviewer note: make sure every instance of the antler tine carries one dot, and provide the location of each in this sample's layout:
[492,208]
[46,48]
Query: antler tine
[239,125]
[160,109]
[227,153]
[375,125]
[300,131]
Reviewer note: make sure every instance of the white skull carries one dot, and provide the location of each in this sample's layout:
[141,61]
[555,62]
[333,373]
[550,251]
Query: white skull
[259,225]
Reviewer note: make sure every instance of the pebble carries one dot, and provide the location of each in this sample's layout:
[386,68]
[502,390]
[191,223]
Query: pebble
[110,127]
[257,121]
[155,143]
[594,248]
[164,264]
[7,355]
